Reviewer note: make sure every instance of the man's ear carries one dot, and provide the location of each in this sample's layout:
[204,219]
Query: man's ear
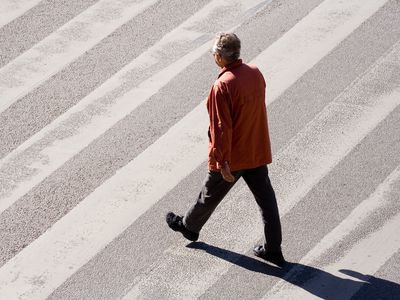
[219,59]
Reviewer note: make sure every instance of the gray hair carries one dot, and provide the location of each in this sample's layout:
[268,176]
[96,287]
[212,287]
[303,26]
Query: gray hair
[227,45]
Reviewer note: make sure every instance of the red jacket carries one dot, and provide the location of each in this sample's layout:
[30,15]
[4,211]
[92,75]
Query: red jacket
[238,131]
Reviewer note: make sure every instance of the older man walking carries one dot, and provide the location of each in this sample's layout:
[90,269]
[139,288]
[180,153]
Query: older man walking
[239,146]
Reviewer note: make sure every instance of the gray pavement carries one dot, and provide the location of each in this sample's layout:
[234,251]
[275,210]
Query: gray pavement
[147,260]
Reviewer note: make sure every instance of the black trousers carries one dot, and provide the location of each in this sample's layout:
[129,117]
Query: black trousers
[214,190]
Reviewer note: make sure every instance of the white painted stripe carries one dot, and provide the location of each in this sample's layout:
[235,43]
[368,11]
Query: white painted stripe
[360,214]
[375,201]
[364,258]
[12,9]
[26,289]
[55,144]
[63,46]
[46,151]
[283,74]
[112,207]
[123,198]
[105,213]
[310,156]
[315,36]
[320,137]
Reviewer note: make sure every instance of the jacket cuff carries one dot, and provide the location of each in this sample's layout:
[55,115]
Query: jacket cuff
[220,164]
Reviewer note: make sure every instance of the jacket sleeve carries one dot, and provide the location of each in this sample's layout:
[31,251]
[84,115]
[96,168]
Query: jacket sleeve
[220,124]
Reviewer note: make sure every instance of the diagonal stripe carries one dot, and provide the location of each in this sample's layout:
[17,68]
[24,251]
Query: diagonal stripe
[12,9]
[376,200]
[310,155]
[97,210]
[60,48]
[315,36]
[55,144]
[127,195]
[152,85]
[310,50]
[364,258]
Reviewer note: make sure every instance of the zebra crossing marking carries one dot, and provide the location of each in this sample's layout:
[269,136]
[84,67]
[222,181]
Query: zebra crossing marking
[315,36]
[55,144]
[50,55]
[377,199]
[12,9]
[366,257]
[310,155]
[68,247]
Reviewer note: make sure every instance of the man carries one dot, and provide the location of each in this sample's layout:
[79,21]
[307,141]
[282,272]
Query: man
[239,146]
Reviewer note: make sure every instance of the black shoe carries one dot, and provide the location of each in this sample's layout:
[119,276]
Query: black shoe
[274,257]
[175,223]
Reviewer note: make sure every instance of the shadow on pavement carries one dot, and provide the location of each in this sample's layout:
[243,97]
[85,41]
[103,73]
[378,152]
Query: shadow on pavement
[364,287]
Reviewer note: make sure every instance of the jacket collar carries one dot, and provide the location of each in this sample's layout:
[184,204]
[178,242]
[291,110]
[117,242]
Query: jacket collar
[231,66]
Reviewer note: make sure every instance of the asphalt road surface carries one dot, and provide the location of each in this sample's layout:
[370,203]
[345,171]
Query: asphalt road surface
[103,129]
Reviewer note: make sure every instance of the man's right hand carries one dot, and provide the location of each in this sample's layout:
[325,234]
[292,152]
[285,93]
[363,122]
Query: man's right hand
[226,173]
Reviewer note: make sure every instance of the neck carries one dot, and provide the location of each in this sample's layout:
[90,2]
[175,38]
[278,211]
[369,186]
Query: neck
[227,64]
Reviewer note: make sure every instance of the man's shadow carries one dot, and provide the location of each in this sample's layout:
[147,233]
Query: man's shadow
[329,286]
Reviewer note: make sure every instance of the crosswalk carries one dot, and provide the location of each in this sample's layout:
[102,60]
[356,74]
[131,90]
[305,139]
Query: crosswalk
[63,46]
[366,261]
[10,10]
[83,196]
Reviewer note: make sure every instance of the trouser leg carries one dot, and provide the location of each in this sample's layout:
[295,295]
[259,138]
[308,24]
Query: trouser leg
[213,191]
[260,185]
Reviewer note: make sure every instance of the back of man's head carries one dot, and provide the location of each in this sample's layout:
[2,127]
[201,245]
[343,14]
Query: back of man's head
[227,45]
